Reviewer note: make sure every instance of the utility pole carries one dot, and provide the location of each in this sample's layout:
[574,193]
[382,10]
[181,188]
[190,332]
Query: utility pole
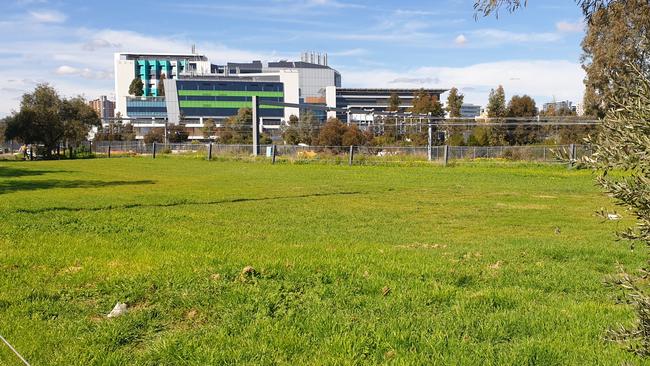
[256,133]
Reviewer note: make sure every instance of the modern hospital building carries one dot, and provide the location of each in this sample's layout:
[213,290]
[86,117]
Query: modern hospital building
[195,90]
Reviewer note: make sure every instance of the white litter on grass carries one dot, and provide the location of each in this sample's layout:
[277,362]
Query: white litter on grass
[613,216]
[119,309]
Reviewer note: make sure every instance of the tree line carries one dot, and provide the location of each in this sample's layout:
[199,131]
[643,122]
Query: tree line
[48,121]
[519,106]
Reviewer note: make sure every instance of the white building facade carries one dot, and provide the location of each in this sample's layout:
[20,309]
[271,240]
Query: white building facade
[150,67]
[304,81]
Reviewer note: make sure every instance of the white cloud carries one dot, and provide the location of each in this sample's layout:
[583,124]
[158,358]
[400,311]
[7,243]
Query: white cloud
[94,44]
[84,57]
[48,16]
[414,33]
[282,10]
[541,79]
[570,27]
[86,73]
[492,37]
[66,70]
[350,52]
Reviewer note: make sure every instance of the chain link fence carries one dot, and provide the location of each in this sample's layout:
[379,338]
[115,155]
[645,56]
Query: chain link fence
[338,154]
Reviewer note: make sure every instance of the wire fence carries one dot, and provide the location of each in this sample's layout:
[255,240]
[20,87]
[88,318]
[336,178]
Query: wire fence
[338,154]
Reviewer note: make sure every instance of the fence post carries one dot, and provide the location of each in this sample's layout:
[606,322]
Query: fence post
[446,155]
[154,150]
[575,152]
[210,151]
[429,143]
[571,152]
[109,151]
[274,149]
[351,154]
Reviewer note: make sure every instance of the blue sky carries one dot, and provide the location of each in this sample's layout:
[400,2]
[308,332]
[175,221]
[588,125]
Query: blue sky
[434,43]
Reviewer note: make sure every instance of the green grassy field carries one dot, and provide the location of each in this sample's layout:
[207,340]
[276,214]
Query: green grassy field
[353,265]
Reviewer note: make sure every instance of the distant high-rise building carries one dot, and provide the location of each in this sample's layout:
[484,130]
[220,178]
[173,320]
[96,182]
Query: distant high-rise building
[470,110]
[104,107]
[557,106]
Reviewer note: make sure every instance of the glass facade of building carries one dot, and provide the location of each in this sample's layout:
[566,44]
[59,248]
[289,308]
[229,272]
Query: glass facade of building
[220,98]
[146,107]
[211,98]
[151,70]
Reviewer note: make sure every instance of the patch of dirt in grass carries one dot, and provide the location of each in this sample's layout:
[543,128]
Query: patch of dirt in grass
[139,306]
[97,318]
[248,274]
[470,255]
[530,206]
[496,265]
[422,246]
[73,269]
[191,314]
[115,264]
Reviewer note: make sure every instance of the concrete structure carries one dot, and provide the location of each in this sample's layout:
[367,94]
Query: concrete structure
[313,73]
[149,67]
[372,100]
[190,101]
[557,106]
[470,110]
[196,90]
[304,81]
[105,108]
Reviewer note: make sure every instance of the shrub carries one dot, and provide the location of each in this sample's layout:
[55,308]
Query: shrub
[177,133]
[154,135]
[332,133]
[353,136]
